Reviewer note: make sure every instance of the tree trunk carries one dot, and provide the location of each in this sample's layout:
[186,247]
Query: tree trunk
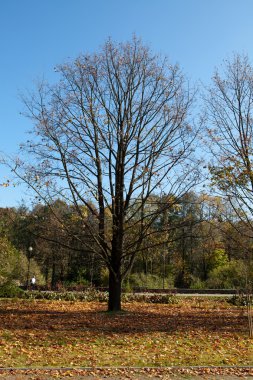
[114,302]
[115,278]
[53,277]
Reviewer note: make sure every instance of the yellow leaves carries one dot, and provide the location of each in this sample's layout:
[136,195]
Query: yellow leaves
[108,212]
[78,334]
[69,373]
[232,172]
[5,184]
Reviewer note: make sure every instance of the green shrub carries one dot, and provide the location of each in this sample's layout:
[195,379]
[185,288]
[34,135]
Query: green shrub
[217,259]
[10,290]
[197,283]
[230,276]
[10,262]
[148,281]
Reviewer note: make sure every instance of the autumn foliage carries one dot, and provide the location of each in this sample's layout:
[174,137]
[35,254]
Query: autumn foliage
[76,334]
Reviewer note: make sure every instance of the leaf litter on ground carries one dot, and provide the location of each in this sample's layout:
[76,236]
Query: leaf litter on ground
[75,334]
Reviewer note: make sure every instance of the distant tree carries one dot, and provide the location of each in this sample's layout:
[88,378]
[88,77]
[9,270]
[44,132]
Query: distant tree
[230,130]
[186,223]
[112,132]
[9,256]
[59,239]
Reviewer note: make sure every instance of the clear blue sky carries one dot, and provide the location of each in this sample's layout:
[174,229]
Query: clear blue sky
[38,34]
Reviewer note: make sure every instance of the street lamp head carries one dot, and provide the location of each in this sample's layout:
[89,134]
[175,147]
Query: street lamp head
[30,249]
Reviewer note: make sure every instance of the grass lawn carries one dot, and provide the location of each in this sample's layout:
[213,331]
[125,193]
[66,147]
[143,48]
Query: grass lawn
[76,334]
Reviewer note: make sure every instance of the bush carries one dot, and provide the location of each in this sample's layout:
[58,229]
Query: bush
[230,276]
[87,296]
[151,298]
[197,283]
[10,290]
[91,295]
[10,262]
[148,281]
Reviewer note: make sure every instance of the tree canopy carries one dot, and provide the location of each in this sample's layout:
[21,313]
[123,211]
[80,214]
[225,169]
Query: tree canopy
[114,131]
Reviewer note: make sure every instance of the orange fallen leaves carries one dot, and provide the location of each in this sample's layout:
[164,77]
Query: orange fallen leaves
[63,334]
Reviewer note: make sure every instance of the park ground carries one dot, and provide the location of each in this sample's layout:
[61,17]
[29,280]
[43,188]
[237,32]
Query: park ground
[130,374]
[38,334]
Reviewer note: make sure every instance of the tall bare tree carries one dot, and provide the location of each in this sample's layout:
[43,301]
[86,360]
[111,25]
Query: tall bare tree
[112,132]
[230,128]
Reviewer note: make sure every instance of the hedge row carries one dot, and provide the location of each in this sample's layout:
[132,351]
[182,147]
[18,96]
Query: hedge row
[95,295]
[89,295]
[11,291]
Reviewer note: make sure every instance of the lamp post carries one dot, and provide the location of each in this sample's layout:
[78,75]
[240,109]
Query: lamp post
[30,249]
[163,269]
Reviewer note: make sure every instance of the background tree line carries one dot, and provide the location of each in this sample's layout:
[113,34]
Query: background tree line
[189,247]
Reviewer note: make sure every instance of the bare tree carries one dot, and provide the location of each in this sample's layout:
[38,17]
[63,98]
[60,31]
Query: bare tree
[230,118]
[230,129]
[111,133]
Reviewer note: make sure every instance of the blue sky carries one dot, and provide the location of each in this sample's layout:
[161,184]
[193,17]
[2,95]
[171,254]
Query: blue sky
[36,35]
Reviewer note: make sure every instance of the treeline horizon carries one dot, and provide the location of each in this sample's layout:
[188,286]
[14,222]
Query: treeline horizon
[200,243]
